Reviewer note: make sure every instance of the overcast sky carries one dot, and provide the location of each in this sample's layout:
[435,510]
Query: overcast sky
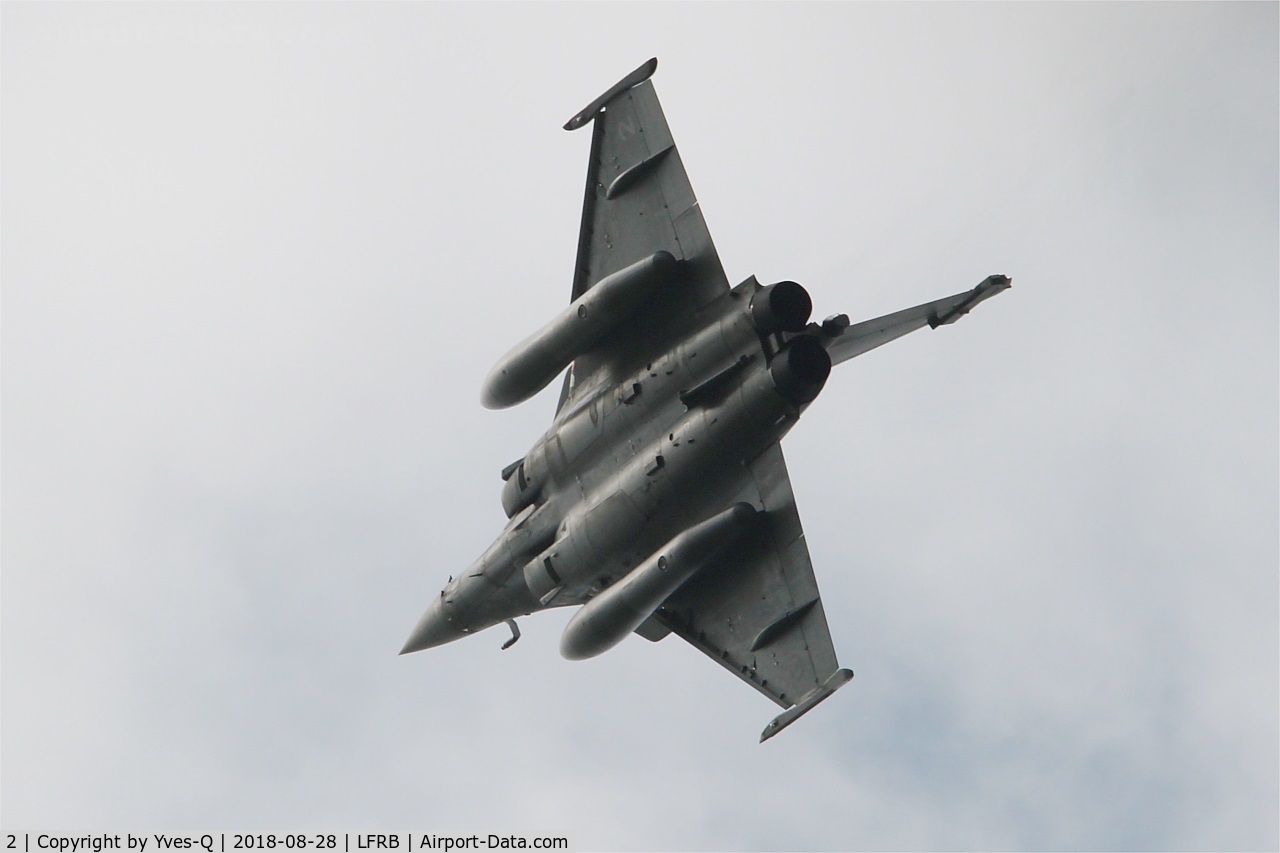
[257,260]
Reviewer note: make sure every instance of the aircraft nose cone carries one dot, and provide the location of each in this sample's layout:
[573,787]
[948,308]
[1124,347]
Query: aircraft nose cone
[432,630]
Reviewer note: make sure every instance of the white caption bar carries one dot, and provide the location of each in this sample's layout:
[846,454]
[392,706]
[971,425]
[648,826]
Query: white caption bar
[279,842]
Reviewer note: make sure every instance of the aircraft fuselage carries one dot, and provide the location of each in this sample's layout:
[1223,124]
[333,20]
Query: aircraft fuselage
[636,462]
[659,500]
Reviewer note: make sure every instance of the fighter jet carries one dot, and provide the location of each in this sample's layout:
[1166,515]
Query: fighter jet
[658,502]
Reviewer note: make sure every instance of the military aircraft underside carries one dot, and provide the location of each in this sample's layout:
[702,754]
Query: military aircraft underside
[658,502]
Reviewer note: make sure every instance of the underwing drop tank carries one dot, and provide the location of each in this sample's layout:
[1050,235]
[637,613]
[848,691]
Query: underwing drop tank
[531,365]
[607,619]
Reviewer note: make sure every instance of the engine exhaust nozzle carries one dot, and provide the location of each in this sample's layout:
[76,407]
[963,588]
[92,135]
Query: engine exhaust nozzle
[801,369]
[781,307]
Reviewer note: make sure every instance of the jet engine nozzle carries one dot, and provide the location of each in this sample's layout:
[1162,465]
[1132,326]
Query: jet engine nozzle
[781,307]
[531,365]
[801,369]
[607,619]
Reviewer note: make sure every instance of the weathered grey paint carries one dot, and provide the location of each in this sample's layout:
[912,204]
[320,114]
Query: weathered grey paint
[658,499]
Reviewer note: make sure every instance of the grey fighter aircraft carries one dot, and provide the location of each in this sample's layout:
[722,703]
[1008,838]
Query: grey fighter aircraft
[658,501]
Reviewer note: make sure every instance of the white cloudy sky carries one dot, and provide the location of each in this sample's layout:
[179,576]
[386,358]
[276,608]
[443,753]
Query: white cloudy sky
[257,259]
